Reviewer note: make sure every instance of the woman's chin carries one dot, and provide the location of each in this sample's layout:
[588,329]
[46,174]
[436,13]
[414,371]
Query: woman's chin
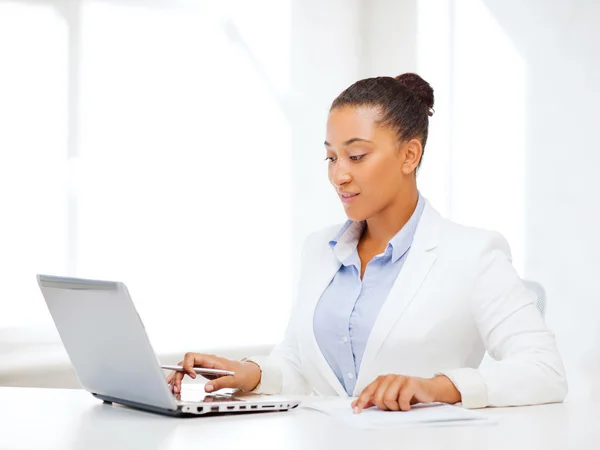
[354,214]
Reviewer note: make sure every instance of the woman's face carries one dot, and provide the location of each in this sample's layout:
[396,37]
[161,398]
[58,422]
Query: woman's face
[368,167]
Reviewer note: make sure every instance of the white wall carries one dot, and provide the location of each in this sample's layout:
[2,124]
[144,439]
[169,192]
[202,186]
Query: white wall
[388,35]
[562,187]
[516,93]
[325,61]
[322,61]
[520,91]
[409,36]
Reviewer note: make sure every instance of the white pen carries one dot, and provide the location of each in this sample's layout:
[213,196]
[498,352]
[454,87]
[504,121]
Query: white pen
[205,372]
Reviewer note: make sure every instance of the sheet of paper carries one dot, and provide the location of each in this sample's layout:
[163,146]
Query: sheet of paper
[435,414]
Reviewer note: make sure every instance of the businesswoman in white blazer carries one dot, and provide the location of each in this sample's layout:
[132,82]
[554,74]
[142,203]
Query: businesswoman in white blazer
[398,305]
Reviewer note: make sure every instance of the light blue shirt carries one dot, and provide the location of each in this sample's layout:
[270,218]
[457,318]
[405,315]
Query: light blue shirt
[348,308]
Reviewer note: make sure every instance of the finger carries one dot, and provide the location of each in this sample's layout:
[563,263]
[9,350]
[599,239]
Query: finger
[189,361]
[177,377]
[355,403]
[192,360]
[390,399]
[367,405]
[227,381]
[364,400]
[406,395]
[381,391]
[170,380]
[210,376]
[171,377]
[206,361]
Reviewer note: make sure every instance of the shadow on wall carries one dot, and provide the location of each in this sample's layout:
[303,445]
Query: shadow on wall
[560,43]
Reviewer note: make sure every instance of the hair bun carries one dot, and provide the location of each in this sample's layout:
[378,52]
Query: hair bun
[420,88]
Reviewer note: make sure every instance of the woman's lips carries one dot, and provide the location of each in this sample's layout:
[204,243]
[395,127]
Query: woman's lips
[347,197]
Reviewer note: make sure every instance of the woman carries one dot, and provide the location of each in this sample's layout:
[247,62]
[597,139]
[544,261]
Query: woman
[399,305]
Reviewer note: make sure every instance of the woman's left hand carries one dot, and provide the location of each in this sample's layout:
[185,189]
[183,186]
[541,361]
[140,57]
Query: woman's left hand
[398,393]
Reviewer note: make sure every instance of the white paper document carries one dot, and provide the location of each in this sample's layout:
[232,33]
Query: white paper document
[435,414]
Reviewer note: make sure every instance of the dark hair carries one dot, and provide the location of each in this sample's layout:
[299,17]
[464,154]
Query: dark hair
[406,103]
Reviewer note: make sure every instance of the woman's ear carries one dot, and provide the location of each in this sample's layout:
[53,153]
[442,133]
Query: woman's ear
[413,152]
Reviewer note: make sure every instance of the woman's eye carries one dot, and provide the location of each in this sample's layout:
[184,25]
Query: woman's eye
[330,159]
[356,158]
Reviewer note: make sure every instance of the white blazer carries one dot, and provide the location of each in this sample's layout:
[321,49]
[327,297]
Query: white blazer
[457,296]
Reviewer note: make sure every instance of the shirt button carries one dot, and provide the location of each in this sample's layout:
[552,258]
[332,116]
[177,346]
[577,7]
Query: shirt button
[344,339]
[350,375]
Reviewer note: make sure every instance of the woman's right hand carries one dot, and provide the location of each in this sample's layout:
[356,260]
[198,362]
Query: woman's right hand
[246,376]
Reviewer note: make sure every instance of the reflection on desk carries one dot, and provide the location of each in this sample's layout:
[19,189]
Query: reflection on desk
[104,426]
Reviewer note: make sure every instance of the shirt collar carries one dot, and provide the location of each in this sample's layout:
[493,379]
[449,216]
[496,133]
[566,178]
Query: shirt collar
[402,241]
[345,242]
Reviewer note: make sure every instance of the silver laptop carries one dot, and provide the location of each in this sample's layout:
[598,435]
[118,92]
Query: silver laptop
[112,356]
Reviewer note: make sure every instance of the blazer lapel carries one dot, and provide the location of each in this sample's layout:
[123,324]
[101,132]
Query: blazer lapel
[419,260]
[324,272]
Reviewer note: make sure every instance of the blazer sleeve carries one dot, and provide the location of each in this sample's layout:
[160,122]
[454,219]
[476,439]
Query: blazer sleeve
[282,368]
[527,368]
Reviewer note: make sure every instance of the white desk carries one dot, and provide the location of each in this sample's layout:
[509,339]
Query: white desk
[72,419]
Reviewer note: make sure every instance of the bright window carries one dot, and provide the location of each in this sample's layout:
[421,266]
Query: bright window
[177,177]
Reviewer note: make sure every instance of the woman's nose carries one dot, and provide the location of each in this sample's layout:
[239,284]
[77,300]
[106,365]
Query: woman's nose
[341,176]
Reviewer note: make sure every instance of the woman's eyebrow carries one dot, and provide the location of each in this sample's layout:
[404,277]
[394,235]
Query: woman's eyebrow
[350,141]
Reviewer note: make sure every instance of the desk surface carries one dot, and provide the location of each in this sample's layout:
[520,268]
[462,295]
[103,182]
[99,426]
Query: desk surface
[72,419]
